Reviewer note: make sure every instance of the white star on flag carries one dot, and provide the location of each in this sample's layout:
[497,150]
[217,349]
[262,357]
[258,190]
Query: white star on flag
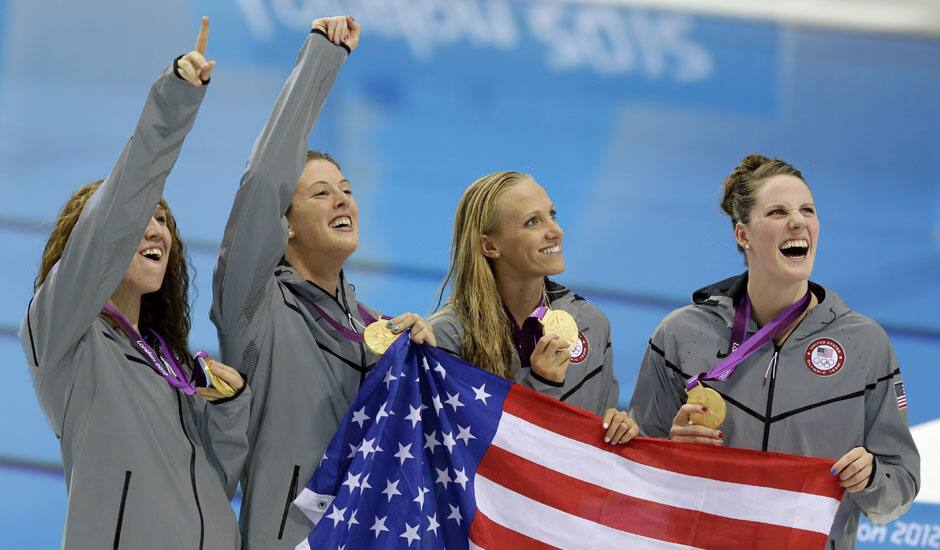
[420,498]
[365,484]
[448,441]
[352,481]
[388,378]
[352,451]
[379,525]
[414,416]
[436,401]
[366,447]
[455,513]
[411,533]
[480,393]
[454,400]
[360,416]
[440,368]
[430,441]
[352,519]
[432,523]
[443,477]
[391,489]
[379,415]
[338,515]
[404,453]
[464,434]
[461,478]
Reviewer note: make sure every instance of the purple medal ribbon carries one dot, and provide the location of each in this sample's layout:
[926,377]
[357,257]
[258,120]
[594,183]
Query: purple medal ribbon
[347,333]
[177,378]
[741,349]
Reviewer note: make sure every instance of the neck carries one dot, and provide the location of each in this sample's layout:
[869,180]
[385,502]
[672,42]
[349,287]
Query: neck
[769,299]
[128,303]
[324,272]
[520,297]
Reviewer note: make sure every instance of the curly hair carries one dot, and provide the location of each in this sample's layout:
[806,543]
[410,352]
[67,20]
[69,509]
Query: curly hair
[167,310]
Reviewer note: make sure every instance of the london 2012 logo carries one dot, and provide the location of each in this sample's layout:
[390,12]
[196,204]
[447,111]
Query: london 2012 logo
[824,356]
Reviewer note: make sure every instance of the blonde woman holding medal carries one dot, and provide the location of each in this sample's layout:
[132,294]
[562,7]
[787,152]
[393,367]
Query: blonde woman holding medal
[795,369]
[286,316]
[507,242]
[106,339]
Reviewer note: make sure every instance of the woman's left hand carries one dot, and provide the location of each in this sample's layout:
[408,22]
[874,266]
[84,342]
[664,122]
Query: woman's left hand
[854,469]
[620,427]
[231,377]
[421,331]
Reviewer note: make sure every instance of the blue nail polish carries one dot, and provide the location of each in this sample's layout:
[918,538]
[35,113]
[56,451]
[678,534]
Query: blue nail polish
[832,471]
[388,324]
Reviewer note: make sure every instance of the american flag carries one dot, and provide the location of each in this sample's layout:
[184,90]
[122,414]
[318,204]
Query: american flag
[900,394]
[436,453]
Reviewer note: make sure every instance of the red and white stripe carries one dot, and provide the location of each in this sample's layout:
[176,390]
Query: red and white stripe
[549,480]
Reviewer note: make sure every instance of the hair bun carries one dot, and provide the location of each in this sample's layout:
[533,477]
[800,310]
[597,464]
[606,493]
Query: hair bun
[739,176]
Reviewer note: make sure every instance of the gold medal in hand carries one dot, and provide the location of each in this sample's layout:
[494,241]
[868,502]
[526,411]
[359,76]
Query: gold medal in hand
[561,323]
[379,337]
[709,398]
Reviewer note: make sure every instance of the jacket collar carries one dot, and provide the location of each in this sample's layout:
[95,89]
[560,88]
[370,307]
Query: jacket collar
[345,298]
[720,297]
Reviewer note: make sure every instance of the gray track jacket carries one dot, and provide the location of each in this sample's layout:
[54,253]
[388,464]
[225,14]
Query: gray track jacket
[303,374]
[589,381]
[138,470]
[823,399]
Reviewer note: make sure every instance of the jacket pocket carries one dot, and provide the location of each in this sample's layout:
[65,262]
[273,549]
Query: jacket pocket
[120,516]
[291,495]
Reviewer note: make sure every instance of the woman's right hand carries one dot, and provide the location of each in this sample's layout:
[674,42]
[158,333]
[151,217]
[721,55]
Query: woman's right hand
[550,358]
[683,430]
[343,29]
[193,66]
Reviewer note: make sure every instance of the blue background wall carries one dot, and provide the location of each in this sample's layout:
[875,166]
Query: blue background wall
[629,118]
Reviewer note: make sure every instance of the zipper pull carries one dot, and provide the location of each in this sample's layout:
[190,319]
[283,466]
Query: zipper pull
[772,366]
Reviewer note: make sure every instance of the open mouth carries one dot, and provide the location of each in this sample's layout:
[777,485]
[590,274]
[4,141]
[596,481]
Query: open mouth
[153,254]
[551,250]
[795,249]
[341,222]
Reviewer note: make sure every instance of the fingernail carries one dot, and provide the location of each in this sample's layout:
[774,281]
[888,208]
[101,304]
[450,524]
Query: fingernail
[704,409]
[606,425]
[721,435]
[832,471]
[388,324]
[606,440]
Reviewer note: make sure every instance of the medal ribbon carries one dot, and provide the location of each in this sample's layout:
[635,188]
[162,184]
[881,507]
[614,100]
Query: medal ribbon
[175,376]
[743,347]
[347,333]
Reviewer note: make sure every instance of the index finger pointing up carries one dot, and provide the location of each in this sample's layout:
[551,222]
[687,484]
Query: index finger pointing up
[203,37]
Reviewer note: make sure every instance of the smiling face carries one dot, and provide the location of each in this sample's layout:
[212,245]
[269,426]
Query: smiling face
[527,242]
[323,219]
[781,237]
[148,266]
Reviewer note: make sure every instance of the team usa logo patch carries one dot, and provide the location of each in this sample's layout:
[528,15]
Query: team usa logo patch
[824,356]
[900,394]
[579,351]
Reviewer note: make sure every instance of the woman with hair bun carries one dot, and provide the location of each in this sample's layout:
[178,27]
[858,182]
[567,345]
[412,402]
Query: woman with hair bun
[507,242]
[105,335]
[799,371]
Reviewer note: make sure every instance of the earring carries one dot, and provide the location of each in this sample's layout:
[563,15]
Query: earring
[747,246]
[290,233]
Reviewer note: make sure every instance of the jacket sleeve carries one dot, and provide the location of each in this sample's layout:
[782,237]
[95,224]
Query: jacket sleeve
[657,394]
[887,436]
[256,233]
[613,387]
[223,426]
[111,224]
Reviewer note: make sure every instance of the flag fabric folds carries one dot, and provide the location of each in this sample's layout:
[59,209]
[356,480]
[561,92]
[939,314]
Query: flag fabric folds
[436,453]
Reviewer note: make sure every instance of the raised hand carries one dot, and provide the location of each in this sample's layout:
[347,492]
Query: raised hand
[550,358]
[193,66]
[342,29]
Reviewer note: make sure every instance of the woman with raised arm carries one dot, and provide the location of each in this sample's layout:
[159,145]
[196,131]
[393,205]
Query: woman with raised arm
[507,242]
[286,316]
[798,371]
[106,339]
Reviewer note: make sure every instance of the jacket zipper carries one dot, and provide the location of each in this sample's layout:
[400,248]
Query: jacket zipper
[120,518]
[291,495]
[770,397]
[192,470]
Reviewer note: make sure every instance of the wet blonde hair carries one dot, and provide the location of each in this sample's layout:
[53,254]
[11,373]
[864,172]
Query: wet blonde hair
[474,298]
[166,310]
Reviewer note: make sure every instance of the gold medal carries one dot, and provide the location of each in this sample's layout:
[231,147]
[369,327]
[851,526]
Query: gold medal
[217,383]
[379,337]
[561,323]
[700,395]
